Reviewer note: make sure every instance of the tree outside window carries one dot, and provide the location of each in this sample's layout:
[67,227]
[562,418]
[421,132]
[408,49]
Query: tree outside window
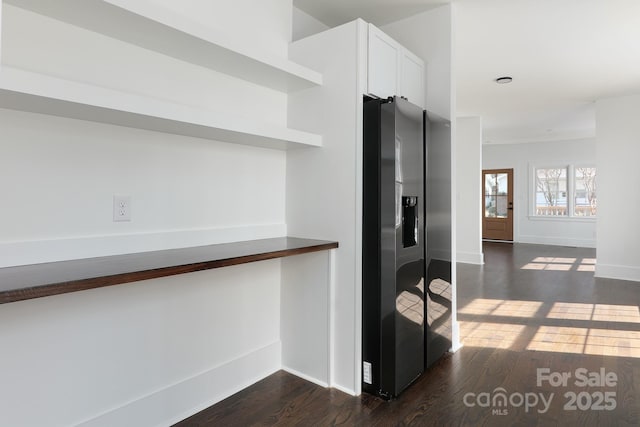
[585,200]
[551,191]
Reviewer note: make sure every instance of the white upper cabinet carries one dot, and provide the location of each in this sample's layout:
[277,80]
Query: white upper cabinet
[383,64]
[411,82]
[393,70]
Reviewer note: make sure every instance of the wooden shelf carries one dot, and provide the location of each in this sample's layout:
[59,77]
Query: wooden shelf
[37,93]
[152,27]
[41,280]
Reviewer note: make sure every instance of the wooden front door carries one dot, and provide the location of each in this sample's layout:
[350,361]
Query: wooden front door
[497,204]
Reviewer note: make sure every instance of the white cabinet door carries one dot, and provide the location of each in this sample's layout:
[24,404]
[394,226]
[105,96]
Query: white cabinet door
[412,78]
[383,64]
[393,70]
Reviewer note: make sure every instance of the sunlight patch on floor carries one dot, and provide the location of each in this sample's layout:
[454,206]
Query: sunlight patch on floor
[607,342]
[599,312]
[497,307]
[501,324]
[490,335]
[570,310]
[561,264]
[616,313]
[559,339]
[601,342]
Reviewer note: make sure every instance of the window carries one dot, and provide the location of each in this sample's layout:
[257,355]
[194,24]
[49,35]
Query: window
[551,191]
[565,191]
[584,195]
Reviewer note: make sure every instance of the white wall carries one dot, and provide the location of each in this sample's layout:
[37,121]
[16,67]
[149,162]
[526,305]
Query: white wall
[469,183]
[305,25]
[60,176]
[142,354]
[579,232]
[304,310]
[618,151]
[152,352]
[265,24]
[325,186]
[429,35]
[182,190]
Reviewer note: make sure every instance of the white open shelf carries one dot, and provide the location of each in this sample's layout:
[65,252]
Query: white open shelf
[37,93]
[152,27]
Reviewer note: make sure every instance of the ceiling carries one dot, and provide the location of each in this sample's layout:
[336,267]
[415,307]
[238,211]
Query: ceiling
[562,54]
[378,12]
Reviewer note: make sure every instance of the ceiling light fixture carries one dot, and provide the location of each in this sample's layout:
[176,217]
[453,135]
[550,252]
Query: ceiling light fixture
[504,80]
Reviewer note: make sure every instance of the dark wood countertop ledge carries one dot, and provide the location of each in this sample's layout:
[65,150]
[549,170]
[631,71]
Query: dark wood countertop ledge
[53,278]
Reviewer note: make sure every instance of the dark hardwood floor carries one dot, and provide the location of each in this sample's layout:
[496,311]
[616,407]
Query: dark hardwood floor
[529,307]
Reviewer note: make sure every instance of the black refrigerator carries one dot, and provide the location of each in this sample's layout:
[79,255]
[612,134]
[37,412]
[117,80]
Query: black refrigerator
[393,254]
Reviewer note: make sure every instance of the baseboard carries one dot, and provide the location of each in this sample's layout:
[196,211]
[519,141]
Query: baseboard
[620,272]
[317,381]
[455,347]
[38,251]
[343,389]
[557,241]
[476,258]
[305,377]
[178,401]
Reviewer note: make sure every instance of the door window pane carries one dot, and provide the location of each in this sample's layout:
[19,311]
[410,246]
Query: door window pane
[495,195]
[490,206]
[584,191]
[489,183]
[501,180]
[551,192]
[489,196]
[501,207]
